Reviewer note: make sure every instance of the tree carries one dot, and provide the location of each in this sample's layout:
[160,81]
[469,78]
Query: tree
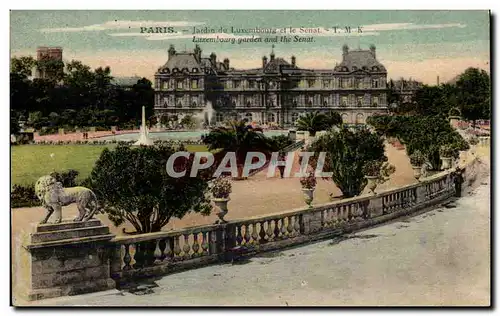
[333,118]
[14,125]
[22,66]
[313,122]
[239,138]
[348,150]
[474,90]
[132,184]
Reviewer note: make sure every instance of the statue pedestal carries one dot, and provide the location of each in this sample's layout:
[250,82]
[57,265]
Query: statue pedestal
[69,258]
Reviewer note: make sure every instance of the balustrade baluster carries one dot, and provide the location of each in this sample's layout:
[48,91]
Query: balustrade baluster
[195,246]
[177,248]
[158,252]
[204,243]
[290,227]
[247,234]
[239,237]
[262,233]
[186,248]
[276,229]
[127,258]
[269,231]
[283,228]
[296,225]
[139,255]
[254,234]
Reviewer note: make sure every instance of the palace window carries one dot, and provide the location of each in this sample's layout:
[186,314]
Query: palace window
[237,84]
[194,84]
[343,101]
[360,101]
[326,83]
[251,84]
[375,101]
[311,83]
[180,84]
[360,83]
[295,117]
[375,83]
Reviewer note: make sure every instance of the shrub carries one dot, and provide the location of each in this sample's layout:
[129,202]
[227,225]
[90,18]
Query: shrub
[447,151]
[221,188]
[372,168]
[67,178]
[308,182]
[417,158]
[347,153]
[23,196]
[473,140]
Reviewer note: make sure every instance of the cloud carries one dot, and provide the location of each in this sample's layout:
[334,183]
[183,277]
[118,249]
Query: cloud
[180,35]
[119,25]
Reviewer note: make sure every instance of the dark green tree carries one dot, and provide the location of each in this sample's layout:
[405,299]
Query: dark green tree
[474,90]
[313,122]
[348,150]
[132,184]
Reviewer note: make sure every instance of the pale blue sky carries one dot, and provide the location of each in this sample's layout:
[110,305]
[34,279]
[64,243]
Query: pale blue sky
[405,40]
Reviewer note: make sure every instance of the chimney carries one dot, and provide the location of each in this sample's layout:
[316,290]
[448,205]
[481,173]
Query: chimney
[197,52]
[226,63]
[373,50]
[272,53]
[293,61]
[213,59]
[264,62]
[171,51]
[438,80]
[345,50]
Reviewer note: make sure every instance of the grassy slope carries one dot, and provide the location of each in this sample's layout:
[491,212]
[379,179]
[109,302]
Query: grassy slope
[29,162]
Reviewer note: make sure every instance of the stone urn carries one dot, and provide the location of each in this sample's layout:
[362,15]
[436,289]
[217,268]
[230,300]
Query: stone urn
[221,204]
[372,184]
[308,196]
[446,163]
[417,171]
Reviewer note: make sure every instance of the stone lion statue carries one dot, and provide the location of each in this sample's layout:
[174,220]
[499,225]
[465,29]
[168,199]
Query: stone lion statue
[54,196]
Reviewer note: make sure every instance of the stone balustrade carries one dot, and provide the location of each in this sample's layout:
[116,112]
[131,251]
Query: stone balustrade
[136,257]
[154,254]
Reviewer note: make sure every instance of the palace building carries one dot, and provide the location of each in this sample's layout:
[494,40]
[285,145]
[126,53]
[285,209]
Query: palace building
[278,92]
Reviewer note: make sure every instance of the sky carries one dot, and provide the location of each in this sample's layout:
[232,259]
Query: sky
[412,44]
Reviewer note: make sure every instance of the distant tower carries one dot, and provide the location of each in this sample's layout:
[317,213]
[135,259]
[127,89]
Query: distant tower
[345,50]
[373,50]
[437,80]
[197,52]
[171,51]
[272,53]
[47,54]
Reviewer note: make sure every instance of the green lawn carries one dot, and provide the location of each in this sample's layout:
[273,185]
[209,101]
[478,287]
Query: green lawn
[29,162]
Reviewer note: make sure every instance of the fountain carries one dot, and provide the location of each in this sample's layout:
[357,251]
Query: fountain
[144,134]
[205,117]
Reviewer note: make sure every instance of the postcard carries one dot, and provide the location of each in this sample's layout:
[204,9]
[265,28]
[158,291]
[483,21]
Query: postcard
[250,158]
